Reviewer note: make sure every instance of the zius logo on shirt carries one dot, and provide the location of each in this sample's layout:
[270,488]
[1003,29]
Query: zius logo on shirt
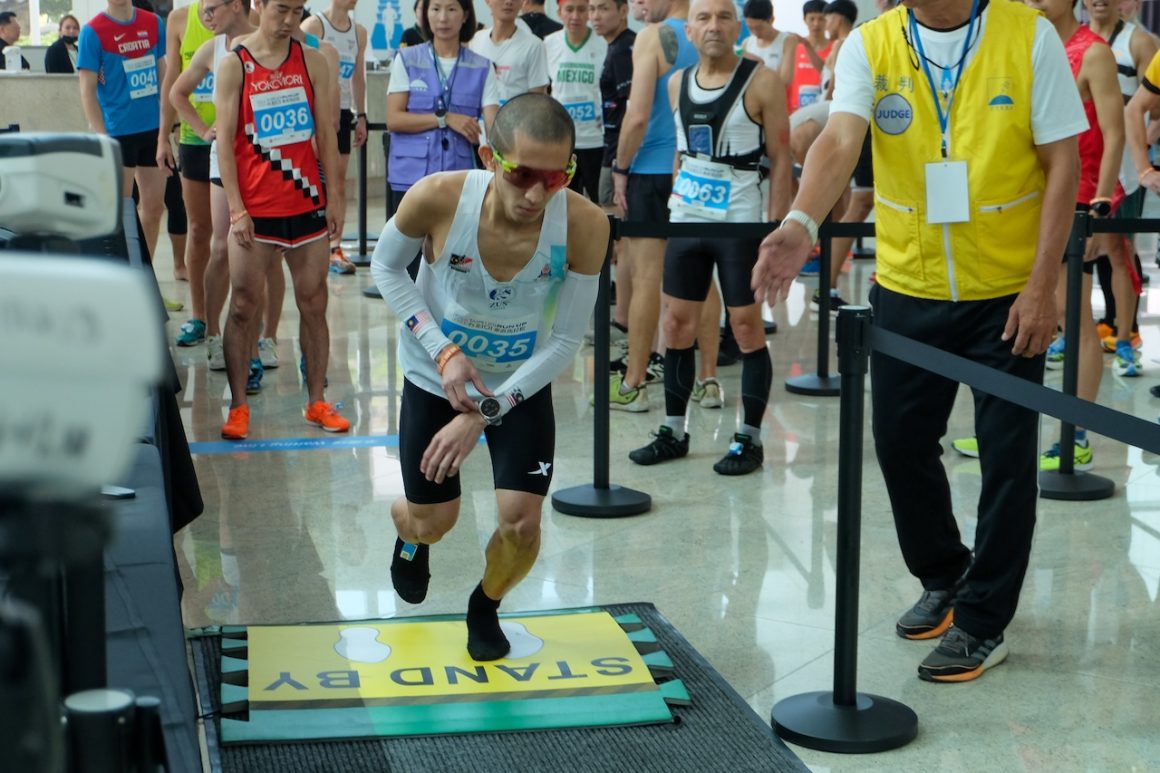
[499,297]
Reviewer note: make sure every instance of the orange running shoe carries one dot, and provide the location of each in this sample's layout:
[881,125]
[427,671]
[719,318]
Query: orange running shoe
[339,264]
[237,425]
[1104,330]
[323,414]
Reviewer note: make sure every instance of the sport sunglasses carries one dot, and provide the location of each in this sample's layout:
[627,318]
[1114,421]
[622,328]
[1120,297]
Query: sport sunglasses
[525,176]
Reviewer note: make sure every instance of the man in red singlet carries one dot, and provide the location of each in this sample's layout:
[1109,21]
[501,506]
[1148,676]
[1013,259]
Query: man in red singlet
[1101,149]
[272,107]
[810,56]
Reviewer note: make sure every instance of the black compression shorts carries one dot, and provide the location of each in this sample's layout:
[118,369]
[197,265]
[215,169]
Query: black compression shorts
[689,268]
[522,446]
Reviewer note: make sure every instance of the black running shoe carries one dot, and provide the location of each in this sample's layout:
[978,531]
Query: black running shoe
[655,370]
[742,458]
[729,353]
[410,572]
[664,447]
[961,657]
[931,616]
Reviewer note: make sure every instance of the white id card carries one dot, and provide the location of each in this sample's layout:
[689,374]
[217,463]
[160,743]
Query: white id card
[947,200]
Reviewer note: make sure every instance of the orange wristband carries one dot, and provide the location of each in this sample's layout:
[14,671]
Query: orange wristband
[235,218]
[448,352]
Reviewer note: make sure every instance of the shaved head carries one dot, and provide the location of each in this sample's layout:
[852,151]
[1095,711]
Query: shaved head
[537,116]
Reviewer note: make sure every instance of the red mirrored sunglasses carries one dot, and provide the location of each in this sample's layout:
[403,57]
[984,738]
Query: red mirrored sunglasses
[525,176]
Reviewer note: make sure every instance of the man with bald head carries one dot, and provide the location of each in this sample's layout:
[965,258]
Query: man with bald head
[730,114]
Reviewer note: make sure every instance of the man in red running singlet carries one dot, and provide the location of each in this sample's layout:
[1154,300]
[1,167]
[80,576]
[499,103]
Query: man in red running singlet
[1101,149]
[272,98]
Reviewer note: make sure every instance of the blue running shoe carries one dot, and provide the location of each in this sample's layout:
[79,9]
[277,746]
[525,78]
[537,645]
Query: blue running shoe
[191,333]
[811,267]
[1127,361]
[1055,354]
[254,382]
[302,370]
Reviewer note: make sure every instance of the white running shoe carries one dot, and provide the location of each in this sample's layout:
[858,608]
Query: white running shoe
[214,353]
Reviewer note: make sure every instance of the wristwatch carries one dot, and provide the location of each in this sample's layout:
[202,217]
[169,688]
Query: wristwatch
[1101,207]
[805,221]
[441,118]
[618,169]
[489,409]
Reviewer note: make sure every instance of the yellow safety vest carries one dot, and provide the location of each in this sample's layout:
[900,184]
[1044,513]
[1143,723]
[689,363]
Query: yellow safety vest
[990,128]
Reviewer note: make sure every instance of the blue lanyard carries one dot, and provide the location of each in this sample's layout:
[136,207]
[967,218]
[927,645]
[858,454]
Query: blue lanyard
[944,119]
[445,86]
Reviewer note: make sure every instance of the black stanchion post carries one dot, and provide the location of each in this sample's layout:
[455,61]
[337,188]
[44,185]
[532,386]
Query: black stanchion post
[362,258]
[1065,483]
[844,720]
[372,290]
[601,499]
[821,383]
[861,251]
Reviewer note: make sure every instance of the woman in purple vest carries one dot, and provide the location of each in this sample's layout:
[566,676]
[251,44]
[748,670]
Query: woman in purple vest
[438,91]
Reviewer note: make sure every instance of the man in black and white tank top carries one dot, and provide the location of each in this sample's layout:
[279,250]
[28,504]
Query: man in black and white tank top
[499,309]
[337,27]
[731,112]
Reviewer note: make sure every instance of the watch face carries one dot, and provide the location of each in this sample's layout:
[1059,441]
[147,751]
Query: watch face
[1102,208]
[489,407]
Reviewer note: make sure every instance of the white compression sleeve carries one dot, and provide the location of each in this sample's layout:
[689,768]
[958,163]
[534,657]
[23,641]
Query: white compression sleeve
[573,310]
[393,252]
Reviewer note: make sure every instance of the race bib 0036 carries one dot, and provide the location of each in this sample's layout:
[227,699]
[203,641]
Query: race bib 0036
[282,117]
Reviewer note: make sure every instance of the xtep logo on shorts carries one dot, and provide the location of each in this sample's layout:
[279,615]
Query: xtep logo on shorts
[460,263]
[893,114]
[543,469]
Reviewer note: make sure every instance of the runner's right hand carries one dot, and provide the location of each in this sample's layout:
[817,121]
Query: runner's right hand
[457,374]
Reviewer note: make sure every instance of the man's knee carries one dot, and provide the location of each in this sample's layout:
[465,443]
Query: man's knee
[748,328]
[680,326]
[521,530]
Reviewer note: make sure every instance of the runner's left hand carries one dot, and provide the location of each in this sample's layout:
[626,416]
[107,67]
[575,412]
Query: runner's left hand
[360,131]
[450,446]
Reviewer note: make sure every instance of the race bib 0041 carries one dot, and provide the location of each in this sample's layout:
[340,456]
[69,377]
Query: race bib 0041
[282,117]
[142,76]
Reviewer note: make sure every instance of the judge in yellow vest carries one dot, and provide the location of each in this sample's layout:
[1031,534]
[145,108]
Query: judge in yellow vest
[973,120]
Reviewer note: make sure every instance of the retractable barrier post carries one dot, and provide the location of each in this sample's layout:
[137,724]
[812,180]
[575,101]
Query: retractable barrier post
[821,383]
[601,499]
[372,290]
[844,720]
[1066,483]
[861,251]
[362,259]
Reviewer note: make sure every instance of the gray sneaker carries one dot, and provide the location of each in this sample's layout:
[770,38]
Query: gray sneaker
[961,657]
[214,353]
[931,616]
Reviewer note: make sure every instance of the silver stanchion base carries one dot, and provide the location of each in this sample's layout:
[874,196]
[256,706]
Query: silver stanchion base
[873,724]
[813,384]
[591,502]
[372,292]
[1075,487]
[362,261]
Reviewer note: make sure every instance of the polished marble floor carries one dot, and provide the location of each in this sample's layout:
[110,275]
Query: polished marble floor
[744,568]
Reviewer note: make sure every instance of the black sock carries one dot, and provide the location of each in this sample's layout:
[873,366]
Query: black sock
[1104,274]
[680,370]
[756,379]
[411,577]
[485,639]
